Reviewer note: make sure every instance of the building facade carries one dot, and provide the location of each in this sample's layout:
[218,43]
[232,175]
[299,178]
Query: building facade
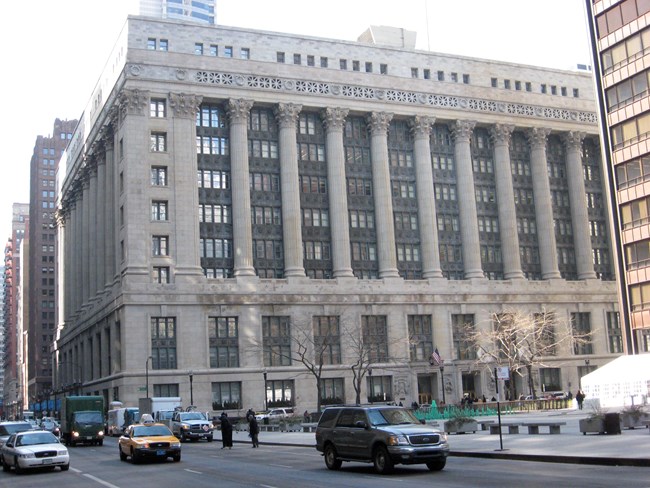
[619,32]
[224,207]
[14,381]
[186,10]
[41,312]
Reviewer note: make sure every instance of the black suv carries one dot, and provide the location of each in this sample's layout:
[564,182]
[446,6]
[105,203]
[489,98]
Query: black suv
[383,435]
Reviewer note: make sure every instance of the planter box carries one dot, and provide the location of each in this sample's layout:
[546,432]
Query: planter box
[452,427]
[593,426]
[631,421]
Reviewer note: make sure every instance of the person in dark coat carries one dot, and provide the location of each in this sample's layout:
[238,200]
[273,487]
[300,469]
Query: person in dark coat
[226,431]
[580,398]
[253,429]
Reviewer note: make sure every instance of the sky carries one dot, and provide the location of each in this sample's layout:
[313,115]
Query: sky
[53,56]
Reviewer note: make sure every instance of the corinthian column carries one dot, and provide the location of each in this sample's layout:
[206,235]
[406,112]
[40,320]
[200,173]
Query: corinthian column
[238,111]
[421,128]
[461,132]
[379,122]
[506,202]
[287,114]
[333,119]
[577,199]
[543,205]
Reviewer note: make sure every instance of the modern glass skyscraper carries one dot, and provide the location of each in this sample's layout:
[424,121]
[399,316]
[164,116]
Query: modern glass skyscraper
[192,10]
[620,35]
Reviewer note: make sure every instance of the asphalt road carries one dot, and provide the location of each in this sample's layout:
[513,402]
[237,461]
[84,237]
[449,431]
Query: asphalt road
[206,465]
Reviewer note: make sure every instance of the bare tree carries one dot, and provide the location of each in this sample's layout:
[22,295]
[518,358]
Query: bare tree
[522,341]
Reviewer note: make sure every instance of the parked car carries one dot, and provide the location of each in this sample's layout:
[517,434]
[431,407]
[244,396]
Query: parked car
[33,449]
[51,425]
[382,435]
[275,414]
[12,427]
[149,440]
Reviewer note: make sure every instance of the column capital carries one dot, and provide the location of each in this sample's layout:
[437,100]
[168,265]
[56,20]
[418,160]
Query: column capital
[379,122]
[184,105]
[461,130]
[500,133]
[573,139]
[537,136]
[238,109]
[334,117]
[421,125]
[133,102]
[287,114]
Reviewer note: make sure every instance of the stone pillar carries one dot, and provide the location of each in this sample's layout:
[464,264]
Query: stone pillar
[238,111]
[500,134]
[379,122]
[112,224]
[92,230]
[333,119]
[421,128]
[579,212]
[183,139]
[77,253]
[287,114]
[462,132]
[84,239]
[100,255]
[543,204]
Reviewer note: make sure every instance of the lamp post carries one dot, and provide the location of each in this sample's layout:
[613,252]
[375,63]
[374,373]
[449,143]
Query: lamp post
[442,380]
[370,394]
[265,373]
[191,388]
[146,374]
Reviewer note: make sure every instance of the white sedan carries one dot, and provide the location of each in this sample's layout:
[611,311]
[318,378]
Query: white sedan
[34,449]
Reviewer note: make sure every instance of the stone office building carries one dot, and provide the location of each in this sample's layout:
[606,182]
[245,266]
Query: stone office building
[229,192]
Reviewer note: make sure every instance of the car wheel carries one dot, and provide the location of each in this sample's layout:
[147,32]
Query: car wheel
[177,458]
[5,466]
[122,455]
[209,439]
[17,466]
[382,461]
[330,458]
[100,442]
[437,465]
[65,467]
[135,459]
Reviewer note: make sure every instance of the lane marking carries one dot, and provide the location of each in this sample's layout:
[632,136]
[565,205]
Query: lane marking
[281,466]
[100,481]
[192,471]
[269,486]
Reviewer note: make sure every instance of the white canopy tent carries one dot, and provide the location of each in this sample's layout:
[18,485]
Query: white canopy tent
[621,382]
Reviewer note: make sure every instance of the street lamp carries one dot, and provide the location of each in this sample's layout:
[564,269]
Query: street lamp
[370,395]
[442,380]
[146,373]
[191,388]
[265,373]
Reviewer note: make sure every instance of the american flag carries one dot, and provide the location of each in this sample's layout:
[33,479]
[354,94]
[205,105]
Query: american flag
[435,360]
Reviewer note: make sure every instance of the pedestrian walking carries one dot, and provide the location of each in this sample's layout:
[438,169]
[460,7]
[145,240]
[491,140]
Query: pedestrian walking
[580,398]
[226,431]
[253,429]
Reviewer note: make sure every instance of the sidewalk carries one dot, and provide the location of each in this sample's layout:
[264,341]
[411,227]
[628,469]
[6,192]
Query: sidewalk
[631,448]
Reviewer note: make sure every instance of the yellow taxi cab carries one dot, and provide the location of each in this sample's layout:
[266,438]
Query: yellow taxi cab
[149,440]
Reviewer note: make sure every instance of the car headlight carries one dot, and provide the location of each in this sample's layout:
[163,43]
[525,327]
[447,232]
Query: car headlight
[185,426]
[100,433]
[26,455]
[175,444]
[75,434]
[443,437]
[61,453]
[397,440]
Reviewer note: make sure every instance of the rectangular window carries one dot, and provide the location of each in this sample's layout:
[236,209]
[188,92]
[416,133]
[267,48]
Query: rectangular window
[368,67]
[414,73]
[543,88]
[226,396]
[276,340]
[166,390]
[420,337]
[323,62]
[356,66]
[279,56]
[158,210]
[441,76]
[380,389]
[374,329]
[614,334]
[426,74]
[223,336]
[163,343]
[158,142]
[454,77]
[581,330]
[506,84]
[214,50]
[279,393]
[466,79]
[463,327]
[549,379]
[151,44]
[198,48]
[227,51]
[529,86]
[310,60]
[332,392]
[297,59]
[160,245]
[161,274]
[157,108]
[343,64]
[383,69]
[159,176]
[245,53]
[164,45]
[327,339]
[494,82]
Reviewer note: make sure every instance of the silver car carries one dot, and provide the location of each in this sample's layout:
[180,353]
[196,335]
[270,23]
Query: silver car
[12,427]
[33,449]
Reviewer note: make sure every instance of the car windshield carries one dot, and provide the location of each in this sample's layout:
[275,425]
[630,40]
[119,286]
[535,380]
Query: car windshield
[192,416]
[151,431]
[9,429]
[391,416]
[89,417]
[36,438]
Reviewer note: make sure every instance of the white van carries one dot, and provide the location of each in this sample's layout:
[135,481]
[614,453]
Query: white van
[119,419]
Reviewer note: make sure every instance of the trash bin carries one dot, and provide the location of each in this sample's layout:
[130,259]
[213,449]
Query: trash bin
[266,421]
[612,423]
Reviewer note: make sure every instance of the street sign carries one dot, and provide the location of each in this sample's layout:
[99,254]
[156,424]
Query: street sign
[503,373]
[142,388]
